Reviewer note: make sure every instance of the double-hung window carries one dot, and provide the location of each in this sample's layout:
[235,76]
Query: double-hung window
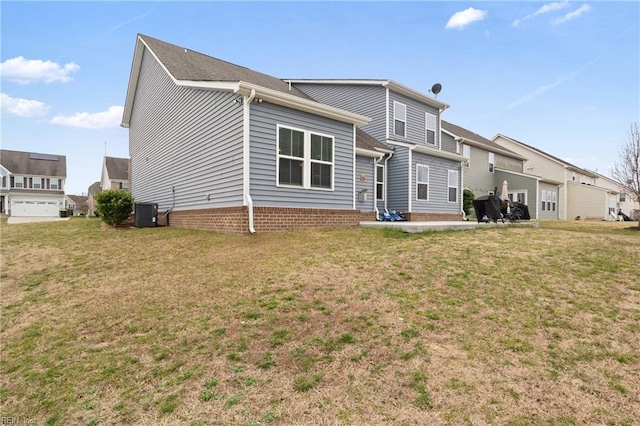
[422,182]
[554,200]
[305,159]
[492,162]
[543,197]
[37,183]
[453,186]
[53,184]
[379,182]
[623,197]
[399,119]
[18,182]
[321,161]
[430,128]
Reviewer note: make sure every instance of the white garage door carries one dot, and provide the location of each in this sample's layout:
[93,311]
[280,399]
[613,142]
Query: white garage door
[34,209]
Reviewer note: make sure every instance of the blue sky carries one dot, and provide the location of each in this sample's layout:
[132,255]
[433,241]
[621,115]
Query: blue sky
[561,76]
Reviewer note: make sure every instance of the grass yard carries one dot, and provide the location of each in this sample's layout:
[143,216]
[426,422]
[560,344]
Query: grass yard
[511,326]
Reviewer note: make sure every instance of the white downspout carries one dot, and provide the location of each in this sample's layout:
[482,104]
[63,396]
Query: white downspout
[386,180]
[247,157]
[375,186]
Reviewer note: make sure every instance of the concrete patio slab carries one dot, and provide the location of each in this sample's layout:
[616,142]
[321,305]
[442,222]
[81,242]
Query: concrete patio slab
[444,226]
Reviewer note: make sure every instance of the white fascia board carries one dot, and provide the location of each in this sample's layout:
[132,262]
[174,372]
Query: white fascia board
[5,169]
[490,148]
[453,135]
[407,91]
[518,173]
[368,153]
[363,82]
[133,81]
[438,153]
[223,86]
[301,104]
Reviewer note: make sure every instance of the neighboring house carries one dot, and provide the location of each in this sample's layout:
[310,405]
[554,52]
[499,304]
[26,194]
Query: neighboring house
[488,165]
[79,204]
[420,175]
[91,202]
[31,184]
[569,192]
[621,198]
[219,146]
[115,173]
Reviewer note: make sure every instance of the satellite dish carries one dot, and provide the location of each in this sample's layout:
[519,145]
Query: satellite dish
[436,88]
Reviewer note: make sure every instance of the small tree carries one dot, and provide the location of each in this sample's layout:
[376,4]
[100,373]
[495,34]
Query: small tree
[114,206]
[626,171]
[467,201]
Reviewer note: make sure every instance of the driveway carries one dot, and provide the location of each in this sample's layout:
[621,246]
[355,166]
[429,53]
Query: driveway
[13,220]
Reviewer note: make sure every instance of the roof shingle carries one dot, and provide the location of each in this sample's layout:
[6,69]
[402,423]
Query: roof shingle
[35,164]
[117,168]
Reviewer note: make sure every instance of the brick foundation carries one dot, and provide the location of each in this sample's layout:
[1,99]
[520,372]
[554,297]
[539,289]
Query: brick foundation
[434,217]
[265,219]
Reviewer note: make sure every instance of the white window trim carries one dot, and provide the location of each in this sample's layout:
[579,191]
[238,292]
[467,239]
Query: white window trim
[37,181]
[395,103]
[520,191]
[426,128]
[418,165]
[543,198]
[456,185]
[51,184]
[492,162]
[307,161]
[380,183]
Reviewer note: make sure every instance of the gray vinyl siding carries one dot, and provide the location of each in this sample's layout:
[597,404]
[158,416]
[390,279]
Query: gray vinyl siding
[546,214]
[365,170]
[398,180]
[477,177]
[187,139]
[438,185]
[365,100]
[416,123]
[265,118]
[448,143]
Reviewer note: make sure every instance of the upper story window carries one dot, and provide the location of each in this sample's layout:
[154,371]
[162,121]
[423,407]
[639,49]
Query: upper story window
[53,184]
[18,182]
[305,159]
[3,181]
[422,182]
[492,162]
[380,182]
[453,186]
[623,197]
[37,183]
[430,121]
[399,119]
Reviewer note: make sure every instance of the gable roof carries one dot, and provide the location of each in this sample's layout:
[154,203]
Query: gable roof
[392,85]
[188,68]
[117,168]
[94,188]
[78,199]
[471,138]
[33,163]
[549,156]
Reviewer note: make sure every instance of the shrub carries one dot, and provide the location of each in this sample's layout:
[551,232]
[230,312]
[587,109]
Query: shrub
[114,206]
[467,201]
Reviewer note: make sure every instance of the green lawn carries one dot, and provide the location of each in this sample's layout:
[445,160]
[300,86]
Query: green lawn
[512,326]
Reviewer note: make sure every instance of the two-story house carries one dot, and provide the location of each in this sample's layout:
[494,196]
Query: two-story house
[488,165]
[115,173]
[418,174]
[31,184]
[219,146]
[568,192]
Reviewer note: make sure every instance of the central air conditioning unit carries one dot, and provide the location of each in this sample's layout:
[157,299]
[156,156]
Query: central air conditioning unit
[146,215]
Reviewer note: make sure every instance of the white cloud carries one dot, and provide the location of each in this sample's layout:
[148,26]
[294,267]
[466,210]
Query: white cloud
[549,7]
[463,18]
[99,120]
[22,107]
[26,71]
[572,15]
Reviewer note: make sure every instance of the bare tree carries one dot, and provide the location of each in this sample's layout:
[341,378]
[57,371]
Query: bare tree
[626,171]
